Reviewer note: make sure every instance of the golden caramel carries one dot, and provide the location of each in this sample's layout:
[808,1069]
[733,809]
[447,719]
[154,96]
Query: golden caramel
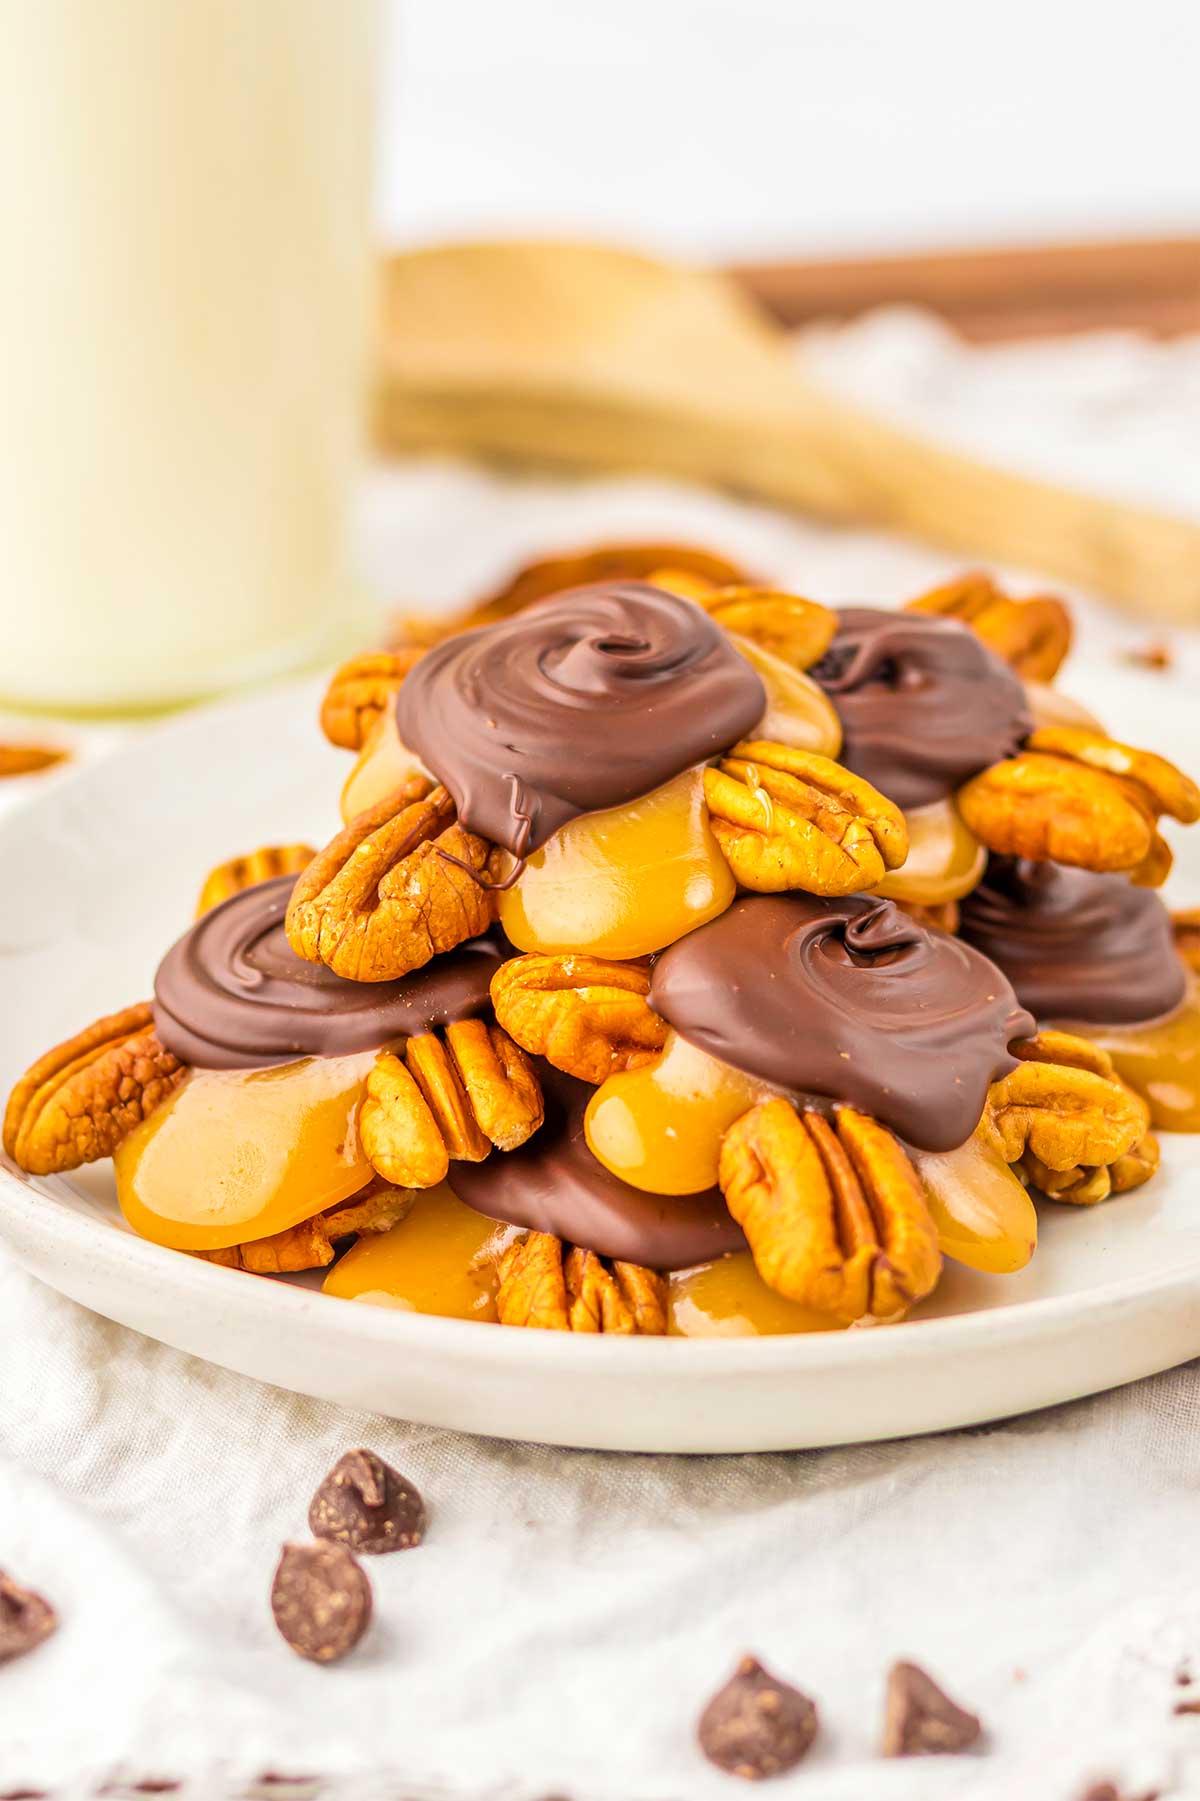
[660,1127]
[239,1154]
[623,882]
[443,1258]
[1160,1060]
[983,1215]
[799,713]
[944,862]
[729,1299]
[382,766]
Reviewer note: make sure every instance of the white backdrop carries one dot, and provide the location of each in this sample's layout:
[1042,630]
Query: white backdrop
[790,126]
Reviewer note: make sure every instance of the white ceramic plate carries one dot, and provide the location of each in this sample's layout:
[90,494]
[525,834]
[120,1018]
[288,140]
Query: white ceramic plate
[101,873]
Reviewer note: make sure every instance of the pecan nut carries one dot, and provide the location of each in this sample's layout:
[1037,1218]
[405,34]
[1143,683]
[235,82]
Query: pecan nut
[546,1285]
[789,818]
[398,885]
[359,691]
[1075,796]
[246,872]
[796,630]
[310,1245]
[1032,636]
[587,1015]
[835,1213]
[452,1096]
[29,759]
[1064,1106]
[76,1104]
[553,575]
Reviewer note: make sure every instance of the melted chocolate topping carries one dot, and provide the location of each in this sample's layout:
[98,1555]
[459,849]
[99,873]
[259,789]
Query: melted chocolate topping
[554,1184]
[232,994]
[847,999]
[1076,946]
[924,705]
[579,703]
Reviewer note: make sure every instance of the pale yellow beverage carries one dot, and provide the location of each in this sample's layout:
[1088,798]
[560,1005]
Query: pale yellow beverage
[184,305]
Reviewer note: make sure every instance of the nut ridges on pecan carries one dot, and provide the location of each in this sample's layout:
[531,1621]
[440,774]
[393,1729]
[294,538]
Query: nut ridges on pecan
[789,818]
[589,1016]
[393,889]
[310,1245]
[1032,635]
[1064,1105]
[453,1096]
[796,630]
[359,691]
[1077,797]
[261,865]
[835,1213]
[548,1286]
[79,1100]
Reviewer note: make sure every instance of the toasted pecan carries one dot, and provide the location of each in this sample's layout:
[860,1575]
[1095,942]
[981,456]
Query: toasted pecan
[393,889]
[1075,796]
[789,818]
[29,759]
[544,1284]
[796,630]
[310,1245]
[246,872]
[1032,635]
[1185,925]
[835,1214]
[453,1096]
[359,691]
[552,575]
[77,1103]
[587,1015]
[1064,1105]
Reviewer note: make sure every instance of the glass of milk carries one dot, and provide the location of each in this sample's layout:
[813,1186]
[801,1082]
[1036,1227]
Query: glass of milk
[184,306]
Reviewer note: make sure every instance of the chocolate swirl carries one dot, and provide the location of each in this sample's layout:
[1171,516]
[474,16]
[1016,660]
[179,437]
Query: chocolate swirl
[924,705]
[232,994]
[1076,946]
[582,702]
[850,1000]
[554,1184]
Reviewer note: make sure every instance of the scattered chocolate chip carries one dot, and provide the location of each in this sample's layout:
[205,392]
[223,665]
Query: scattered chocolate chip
[366,1504]
[919,1719]
[1186,1706]
[1157,655]
[756,1725]
[25,1619]
[1108,1791]
[321,1600]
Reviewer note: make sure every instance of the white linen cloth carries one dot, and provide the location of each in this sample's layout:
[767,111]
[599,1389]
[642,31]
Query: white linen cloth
[570,1612]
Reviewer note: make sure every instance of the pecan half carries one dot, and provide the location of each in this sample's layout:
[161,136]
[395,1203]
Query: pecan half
[587,1015]
[359,691]
[310,1245]
[552,575]
[1074,796]
[1032,636]
[1064,1106]
[835,1214]
[452,1096]
[797,630]
[546,1285]
[29,759]
[793,819]
[1186,927]
[394,888]
[246,872]
[77,1103]
[1083,1184]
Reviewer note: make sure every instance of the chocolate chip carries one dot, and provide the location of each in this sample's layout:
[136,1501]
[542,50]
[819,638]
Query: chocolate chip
[366,1504]
[25,1619]
[321,1600]
[919,1719]
[756,1725]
